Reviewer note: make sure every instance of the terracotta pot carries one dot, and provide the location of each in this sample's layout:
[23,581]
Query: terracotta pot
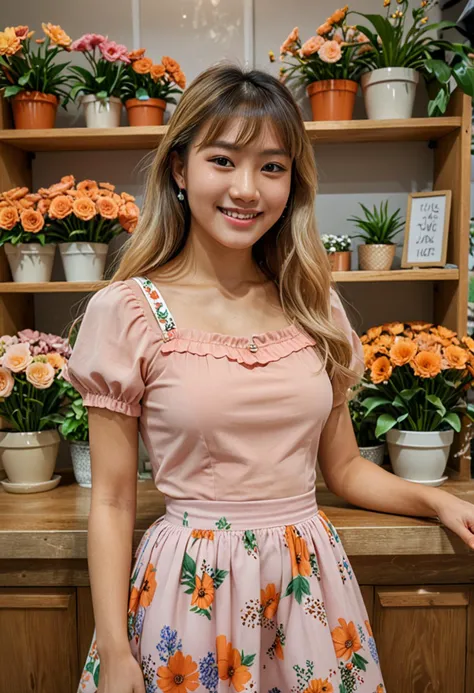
[375,257]
[332,99]
[33,110]
[340,261]
[145,111]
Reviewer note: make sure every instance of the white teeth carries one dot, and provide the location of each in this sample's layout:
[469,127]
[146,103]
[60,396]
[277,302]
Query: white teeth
[235,215]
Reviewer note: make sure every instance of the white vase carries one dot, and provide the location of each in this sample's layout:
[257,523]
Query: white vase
[83,261]
[389,92]
[30,262]
[29,457]
[81,462]
[101,113]
[419,455]
[374,453]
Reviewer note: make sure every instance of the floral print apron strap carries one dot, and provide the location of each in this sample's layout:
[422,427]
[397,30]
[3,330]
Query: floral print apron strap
[158,305]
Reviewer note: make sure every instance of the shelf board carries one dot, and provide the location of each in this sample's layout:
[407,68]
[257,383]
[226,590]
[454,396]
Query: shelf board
[148,137]
[407,275]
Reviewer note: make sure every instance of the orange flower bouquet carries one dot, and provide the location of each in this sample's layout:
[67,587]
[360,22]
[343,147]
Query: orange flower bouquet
[22,218]
[417,376]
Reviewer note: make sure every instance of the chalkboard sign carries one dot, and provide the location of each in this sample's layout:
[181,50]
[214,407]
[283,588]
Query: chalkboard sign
[426,229]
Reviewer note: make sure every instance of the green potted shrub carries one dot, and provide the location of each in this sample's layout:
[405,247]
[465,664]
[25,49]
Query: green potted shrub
[378,230]
[364,425]
[75,429]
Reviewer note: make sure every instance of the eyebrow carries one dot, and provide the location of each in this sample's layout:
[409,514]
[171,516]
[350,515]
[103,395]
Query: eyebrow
[233,147]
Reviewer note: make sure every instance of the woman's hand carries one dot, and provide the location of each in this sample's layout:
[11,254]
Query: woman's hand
[458,516]
[121,675]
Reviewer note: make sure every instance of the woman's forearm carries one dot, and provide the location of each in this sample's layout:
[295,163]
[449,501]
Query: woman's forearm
[109,549]
[367,485]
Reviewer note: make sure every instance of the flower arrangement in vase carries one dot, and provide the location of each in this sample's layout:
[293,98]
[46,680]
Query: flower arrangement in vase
[418,375]
[30,77]
[327,64]
[101,84]
[399,54]
[148,87]
[84,217]
[338,249]
[31,388]
[378,231]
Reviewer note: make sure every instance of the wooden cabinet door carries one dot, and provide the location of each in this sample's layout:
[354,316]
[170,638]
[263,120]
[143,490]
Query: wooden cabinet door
[421,637]
[38,642]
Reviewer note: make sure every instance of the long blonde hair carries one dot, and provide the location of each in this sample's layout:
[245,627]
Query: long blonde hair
[291,252]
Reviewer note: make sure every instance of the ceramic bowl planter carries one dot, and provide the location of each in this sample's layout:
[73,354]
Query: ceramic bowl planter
[374,453]
[29,457]
[30,262]
[83,261]
[81,462]
[332,99]
[145,111]
[102,113]
[34,110]
[389,92]
[418,455]
[340,261]
[375,257]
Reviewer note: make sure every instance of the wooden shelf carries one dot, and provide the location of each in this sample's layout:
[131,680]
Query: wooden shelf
[320,132]
[407,275]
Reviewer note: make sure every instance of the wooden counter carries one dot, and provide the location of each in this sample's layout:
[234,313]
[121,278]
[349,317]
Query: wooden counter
[412,572]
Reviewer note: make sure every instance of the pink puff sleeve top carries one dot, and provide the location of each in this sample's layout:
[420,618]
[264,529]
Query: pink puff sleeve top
[223,417]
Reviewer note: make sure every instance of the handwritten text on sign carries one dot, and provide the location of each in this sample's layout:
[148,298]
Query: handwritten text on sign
[426,232]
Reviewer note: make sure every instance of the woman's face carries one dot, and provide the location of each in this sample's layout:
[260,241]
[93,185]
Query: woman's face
[236,194]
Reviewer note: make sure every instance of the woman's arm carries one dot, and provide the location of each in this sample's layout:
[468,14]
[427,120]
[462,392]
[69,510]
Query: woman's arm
[114,460]
[362,482]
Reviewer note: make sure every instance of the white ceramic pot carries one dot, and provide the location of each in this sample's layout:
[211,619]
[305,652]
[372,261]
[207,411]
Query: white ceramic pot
[83,261]
[389,92]
[30,262]
[29,457]
[81,462]
[101,113]
[419,455]
[374,453]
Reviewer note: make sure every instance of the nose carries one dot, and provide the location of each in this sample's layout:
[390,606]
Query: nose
[244,185]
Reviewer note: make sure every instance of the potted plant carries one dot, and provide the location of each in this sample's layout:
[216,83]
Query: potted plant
[327,64]
[364,427]
[148,87]
[84,218]
[29,249]
[339,253]
[30,392]
[418,375]
[100,85]
[378,230]
[400,54]
[30,77]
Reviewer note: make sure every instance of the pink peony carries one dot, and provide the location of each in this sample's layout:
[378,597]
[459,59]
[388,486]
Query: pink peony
[88,42]
[112,52]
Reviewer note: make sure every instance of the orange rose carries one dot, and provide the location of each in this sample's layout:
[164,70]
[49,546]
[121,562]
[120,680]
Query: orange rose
[107,186]
[394,328]
[288,45]
[469,342]
[17,357]
[444,333]
[40,374]
[179,79]
[128,198]
[8,218]
[15,193]
[87,187]
[7,382]
[373,333]
[61,207]
[67,182]
[311,46]
[56,360]
[157,72]
[456,357]
[381,370]
[330,52]
[370,354]
[32,220]
[43,206]
[402,352]
[128,216]
[418,326]
[56,34]
[426,364]
[136,55]
[9,42]
[84,208]
[142,66]
[170,65]
[339,15]
[107,208]
[324,29]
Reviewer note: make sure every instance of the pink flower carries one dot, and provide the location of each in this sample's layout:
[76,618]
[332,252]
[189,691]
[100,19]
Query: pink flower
[88,42]
[112,52]
[40,374]
[330,52]
[311,46]
[6,382]
[17,357]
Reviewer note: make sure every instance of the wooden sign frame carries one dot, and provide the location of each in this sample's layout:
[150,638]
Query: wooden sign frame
[447,216]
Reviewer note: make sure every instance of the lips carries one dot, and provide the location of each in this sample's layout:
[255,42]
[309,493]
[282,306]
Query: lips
[241,213]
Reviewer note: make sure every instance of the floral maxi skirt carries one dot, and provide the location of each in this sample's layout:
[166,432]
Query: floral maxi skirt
[254,596]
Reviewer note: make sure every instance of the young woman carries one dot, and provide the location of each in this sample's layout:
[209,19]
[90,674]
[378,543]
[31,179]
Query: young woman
[221,339]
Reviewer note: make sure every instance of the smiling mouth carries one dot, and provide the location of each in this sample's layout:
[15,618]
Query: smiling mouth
[238,215]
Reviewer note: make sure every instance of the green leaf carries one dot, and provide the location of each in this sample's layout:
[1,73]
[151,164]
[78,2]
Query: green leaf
[247,660]
[402,417]
[142,94]
[464,76]
[12,91]
[453,420]
[189,564]
[435,401]
[102,95]
[439,69]
[24,79]
[470,411]
[371,403]
[438,105]
[385,422]
[409,394]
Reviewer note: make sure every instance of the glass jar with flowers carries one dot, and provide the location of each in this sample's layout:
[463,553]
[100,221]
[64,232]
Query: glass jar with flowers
[327,64]
[30,76]
[101,84]
[84,218]
[31,385]
[148,87]
[378,231]
[418,375]
[338,249]
[397,54]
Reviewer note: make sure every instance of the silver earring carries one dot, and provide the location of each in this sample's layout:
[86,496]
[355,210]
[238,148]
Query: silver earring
[180,195]
[284,212]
